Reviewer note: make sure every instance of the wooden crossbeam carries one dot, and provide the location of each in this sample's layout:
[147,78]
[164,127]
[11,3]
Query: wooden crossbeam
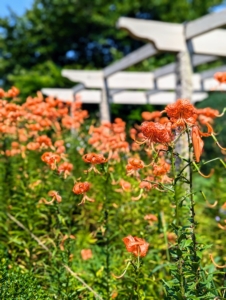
[171,37]
[121,80]
[87,96]
[123,97]
[210,43]
[210,84]
[140,80]
[210,73]
[204,24]
[91,79]
[131,59]
[197,59]
[165,36]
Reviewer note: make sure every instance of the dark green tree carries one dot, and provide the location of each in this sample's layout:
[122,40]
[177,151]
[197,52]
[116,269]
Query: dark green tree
[78,34]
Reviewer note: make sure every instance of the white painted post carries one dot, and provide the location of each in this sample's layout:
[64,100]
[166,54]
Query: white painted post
[183,91]
[104,104]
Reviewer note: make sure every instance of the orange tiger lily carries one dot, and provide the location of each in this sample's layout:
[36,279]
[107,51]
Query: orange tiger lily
[135,245]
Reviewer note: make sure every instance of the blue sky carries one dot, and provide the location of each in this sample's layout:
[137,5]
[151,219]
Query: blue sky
[18,6]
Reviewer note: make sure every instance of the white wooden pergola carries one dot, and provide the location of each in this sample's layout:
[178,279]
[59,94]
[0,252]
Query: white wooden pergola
[200,36]
[195,43]
[122,86]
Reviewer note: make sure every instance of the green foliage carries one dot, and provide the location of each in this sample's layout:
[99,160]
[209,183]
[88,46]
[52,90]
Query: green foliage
[27,268]
[46,74]
[18,283]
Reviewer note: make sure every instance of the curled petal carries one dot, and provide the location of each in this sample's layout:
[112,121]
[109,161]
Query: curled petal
[217,142]
[43,200]
[211,205]
[217,266]
[120,276]
[138,197]
[139,142]
[220,146]
[221,227]
[209,132]
[205,176]
[207,202]
[64,239]
[86,198]
[221,115]
[92,168]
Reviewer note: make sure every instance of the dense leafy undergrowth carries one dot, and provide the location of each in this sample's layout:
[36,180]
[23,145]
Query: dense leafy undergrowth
[80,201]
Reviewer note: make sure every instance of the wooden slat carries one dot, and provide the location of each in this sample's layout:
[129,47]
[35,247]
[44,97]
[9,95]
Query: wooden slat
[205,24]
[125,97]
[211,43]
[79,87]
[91,79]
[197,97]
[131,80]
[210,73]
[211,84]
[62,94]
[130,97]
[87,96]
[165,36]
[120,80]
[163,98]
[165,70]
[168,82]
[196,82]
[131,59]
[199,59]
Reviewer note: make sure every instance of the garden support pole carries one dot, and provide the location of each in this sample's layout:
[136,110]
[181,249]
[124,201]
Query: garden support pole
[79,87]
[184,90]
[104,104]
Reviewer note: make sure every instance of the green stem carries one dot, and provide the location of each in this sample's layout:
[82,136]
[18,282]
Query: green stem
[165,234]
[138,274]
[106,235]
[192,211]
[176,200]
[175,187]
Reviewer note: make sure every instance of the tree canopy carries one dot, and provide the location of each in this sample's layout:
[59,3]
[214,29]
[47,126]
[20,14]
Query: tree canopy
[78,34]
